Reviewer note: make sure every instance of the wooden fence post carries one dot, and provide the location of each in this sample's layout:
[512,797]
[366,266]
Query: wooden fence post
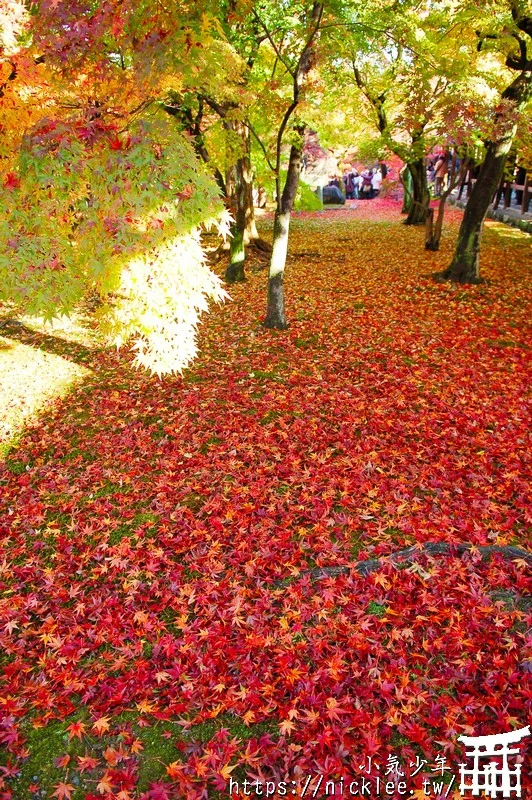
[524,204]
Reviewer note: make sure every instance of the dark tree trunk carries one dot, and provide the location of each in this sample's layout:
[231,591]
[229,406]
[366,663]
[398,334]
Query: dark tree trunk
[251,235]
[434,229]
[417,213]
[239,193]
[246,200]
[464,267]
[275,313]
[237,186]
[235,272]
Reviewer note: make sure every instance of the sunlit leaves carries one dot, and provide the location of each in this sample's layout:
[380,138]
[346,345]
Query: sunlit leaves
[90,209]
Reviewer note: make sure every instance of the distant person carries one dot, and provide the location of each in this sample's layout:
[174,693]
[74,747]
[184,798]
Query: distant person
[261,197]
[350,184]
[376,182]
[431,174]
[367,188]
[440,174]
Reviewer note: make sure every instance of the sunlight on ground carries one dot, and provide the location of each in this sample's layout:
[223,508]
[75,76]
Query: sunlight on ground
[508,232]
[31,377]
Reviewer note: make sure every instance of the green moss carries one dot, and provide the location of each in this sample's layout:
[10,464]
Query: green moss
[193,501]
[129,528]
[206,730]
[15,467]
[398,740]
[270,416]
[376,609]
[357,543]
[310,341]
[110,488]
[212,441]
[45,746]
[159,750]
[159,742]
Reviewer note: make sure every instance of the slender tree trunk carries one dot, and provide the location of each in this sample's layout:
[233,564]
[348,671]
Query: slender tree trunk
[417,213]
[239,191]
[251,234]
[239,185]
[433,229]
[275,313]
[235,272]
[406,181]
[250,228]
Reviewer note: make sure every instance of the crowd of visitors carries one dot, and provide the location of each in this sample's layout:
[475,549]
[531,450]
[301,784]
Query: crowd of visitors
[364,185]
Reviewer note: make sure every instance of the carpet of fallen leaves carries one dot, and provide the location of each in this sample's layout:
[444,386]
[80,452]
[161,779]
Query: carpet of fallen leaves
[160,634]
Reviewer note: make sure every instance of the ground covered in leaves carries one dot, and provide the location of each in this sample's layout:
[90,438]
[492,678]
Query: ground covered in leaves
[160,634]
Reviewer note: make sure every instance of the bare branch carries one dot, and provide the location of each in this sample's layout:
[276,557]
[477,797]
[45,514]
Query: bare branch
[259,141]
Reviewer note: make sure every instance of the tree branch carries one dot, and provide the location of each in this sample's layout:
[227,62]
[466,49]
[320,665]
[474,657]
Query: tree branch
[259,141]
[272,42]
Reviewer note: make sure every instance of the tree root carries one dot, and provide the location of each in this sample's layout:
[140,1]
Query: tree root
[447,276]
[511,600]
[260,244]
[410,554]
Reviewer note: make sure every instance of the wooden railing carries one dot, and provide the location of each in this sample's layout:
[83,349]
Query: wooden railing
[504,191]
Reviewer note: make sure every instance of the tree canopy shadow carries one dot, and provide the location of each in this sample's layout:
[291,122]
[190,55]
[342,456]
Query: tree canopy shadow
[50,343]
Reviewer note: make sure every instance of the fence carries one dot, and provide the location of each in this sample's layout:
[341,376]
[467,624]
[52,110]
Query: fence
[504,191]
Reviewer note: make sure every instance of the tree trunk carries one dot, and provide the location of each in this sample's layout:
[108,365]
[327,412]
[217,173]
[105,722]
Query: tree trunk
[417,213]
[464,267]
[433,229]
[239,185]
[250,228]
[235,272]
[251,234]
[406,181]
[237,190]
[275,314]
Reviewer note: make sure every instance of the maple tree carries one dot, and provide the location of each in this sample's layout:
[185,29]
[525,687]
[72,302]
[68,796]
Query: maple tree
[103,195]
[230,153]
[417,85]
[293,41]
[507,33]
